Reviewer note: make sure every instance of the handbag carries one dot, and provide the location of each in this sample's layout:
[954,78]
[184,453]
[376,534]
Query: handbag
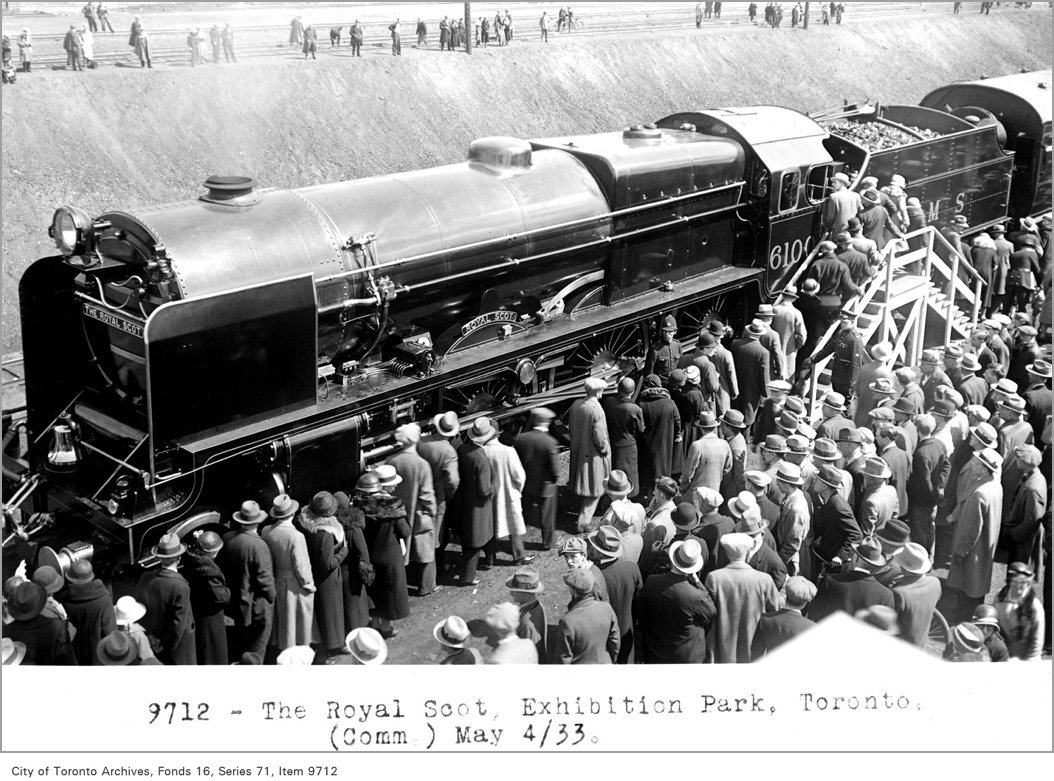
[367,573]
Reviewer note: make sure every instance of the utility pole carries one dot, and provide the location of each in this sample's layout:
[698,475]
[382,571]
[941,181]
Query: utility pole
[806,25]
[469,30]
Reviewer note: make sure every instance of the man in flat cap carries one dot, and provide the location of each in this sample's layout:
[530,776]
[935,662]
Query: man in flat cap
[741,595]
[841,205]
[777,627]
[540,455]
[438,450]
[590,450]
[588,632]
[625,421]
[417,493]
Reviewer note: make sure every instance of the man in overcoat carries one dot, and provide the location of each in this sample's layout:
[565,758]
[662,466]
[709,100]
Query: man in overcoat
[46,638]
[740,594]
[834,419]
[327,549]
[854,590]
[526,588]
[793,530]
[834,527]
[752,364]
[624,582]
[89,608]
[777,627]
[849,355]
[660,445]
[674,610]
[977,520]
[539,453]
[209,596]
[509,478]
[732,428]
[725,366]
[709,461]
[878,502]
[841,205]
[417,494]
[625,422]
[249,571]
[1026,503]
[915,594]
[1014,430]
[166,594]
[1038,396]
[438,451]
[474,501]
[590,450]
[930,468]
[588,632]
[789,325]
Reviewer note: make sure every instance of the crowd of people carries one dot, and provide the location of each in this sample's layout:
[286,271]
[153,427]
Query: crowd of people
[684,549]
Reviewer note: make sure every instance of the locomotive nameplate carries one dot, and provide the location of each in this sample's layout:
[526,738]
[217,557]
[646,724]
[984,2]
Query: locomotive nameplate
[113,320]
[500,316]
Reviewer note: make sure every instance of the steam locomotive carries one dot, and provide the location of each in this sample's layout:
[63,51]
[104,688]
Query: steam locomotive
[180,358]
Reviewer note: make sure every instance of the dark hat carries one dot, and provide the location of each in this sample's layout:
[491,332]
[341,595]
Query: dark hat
[324,504]
[249,514]
[626,386]
[851,435]
[904,405]
[1040,368]
[870,196]
[854,223]
[829,475]
[284,506]
[49,578]
[368,483]
[843,237]
[678,378]
[1019,569]
[997,228]
[943,407]
[208,541]
[170,547]
[985,615]
[607,542]
[716,327]
[540,415]
[788,421]
[870,551]
[526,579]
[618,484]
[667,486]
[895,533]
[734,418]
[116,649]
[343,500]
[706,339]
[685,517]
[824,449]
[580,581]
[669,323]
[27,601]
[810,286]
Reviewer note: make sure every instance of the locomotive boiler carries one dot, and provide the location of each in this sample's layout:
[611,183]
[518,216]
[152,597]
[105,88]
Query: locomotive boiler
[181,358]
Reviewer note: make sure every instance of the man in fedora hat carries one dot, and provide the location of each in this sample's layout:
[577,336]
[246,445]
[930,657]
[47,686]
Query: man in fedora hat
[249,572]
[294,605]
[1000,389]
[953,358]
[813,315]
[892,539]
[540,455]
[89,608]
[590,450]
[1025,504]
[674,610]
[930,468]
[626,516]
[688,396]
[14,652]
[792,531]
[878,502]
[45,638]
[789,324]
[209,596]
[1023,354]
[526,588]
[366,646]
[169,618]
[915,594]
[933,376]
[1024,273]
[966,645]
[509,478]
[841,205]
[623,580]
[474,500]
[438,451]
[503,621]
[417,493]
[976,519]
[770,340]
[772,450]
[665,356]
[832,411]
[1015,430]
[760,485]
[659,528]
[762,555]
[835,529]
[117,649]
[752,365]
[777,627]
[740,595]
[914,398]
[709,461]
[1038,396]
[625,422]
[453,635]
[770,410]
[732,426]
[973,387]
[712,524]
[661,447]
[52,583]
[874,382]
[724,365]
[854,590]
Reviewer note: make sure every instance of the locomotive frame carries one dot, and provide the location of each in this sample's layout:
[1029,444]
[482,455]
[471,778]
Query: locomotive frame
[288,367]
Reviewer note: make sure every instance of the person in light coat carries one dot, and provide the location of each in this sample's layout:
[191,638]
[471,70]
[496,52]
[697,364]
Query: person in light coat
[294,605]
[417,493]
[793,530]
[709,461]
[438,451]
[789,325]
[741,595]
[977,520]
[509,478]
[590,450]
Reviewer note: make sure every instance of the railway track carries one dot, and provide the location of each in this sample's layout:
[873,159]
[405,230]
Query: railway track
[168,46]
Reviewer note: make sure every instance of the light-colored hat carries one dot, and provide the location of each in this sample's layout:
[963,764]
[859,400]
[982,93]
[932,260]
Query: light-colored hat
[692,375]
[284,506]
[296,655]
[990,458]
[758,478]
[686,556]
[452,632]
[366,645]
[482,431]
[876,467]
[446,424]
[967,638]
[882,351]
[14,652]
[618,484]
[708,497]
[881,617]
[789,473]
[799,590]
[579,581]
[736,545]
[840,177]
[387,475]
[738,505]
[914,558]
[249,514]
[834,400]
[595,384]
[170,547]
[408,434]
[526,579]
[128,610]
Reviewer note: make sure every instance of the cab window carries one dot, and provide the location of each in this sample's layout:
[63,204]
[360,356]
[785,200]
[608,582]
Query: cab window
[790,184]
[816,183]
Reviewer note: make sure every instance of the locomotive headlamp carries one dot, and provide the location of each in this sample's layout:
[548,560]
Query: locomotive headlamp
[526,371]
[73,230]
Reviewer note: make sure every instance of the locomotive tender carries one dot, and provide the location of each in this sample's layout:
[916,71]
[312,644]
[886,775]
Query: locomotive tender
[183,357]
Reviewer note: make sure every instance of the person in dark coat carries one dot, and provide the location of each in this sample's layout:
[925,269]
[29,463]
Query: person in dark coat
[661,454]
[209,596]
[327,549]
[857,262]
[475,508]
[973,387]
[437,449]
[453,635]
[712,525]
[540,455]
[249,572]
[849,356]
[674,610]
[625,426]
[525,587]
[776,628]
[874,220]
[752,370]
[169,614]
[915,594]
[835,530]
[46,639]
[813,316]
[356,568]
[1038,397]
[898,462]
[386,527]
[930,468]
[835,282]
[854,590]
[624,582]
[589,632]
[89,608]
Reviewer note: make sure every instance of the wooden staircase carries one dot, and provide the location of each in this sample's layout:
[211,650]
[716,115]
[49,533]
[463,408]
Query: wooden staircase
[925,295]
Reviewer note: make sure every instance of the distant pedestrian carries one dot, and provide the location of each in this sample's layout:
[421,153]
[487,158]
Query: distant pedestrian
[422,33]
[397,45]
[334,35]
[193,39]
[87,48]
[544,24]
[698,15]
[310,42]
[139,41]
[296,32]
[228,43]
[89,14]
[215,40]
[72,44]
[355,36]
[104,18]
